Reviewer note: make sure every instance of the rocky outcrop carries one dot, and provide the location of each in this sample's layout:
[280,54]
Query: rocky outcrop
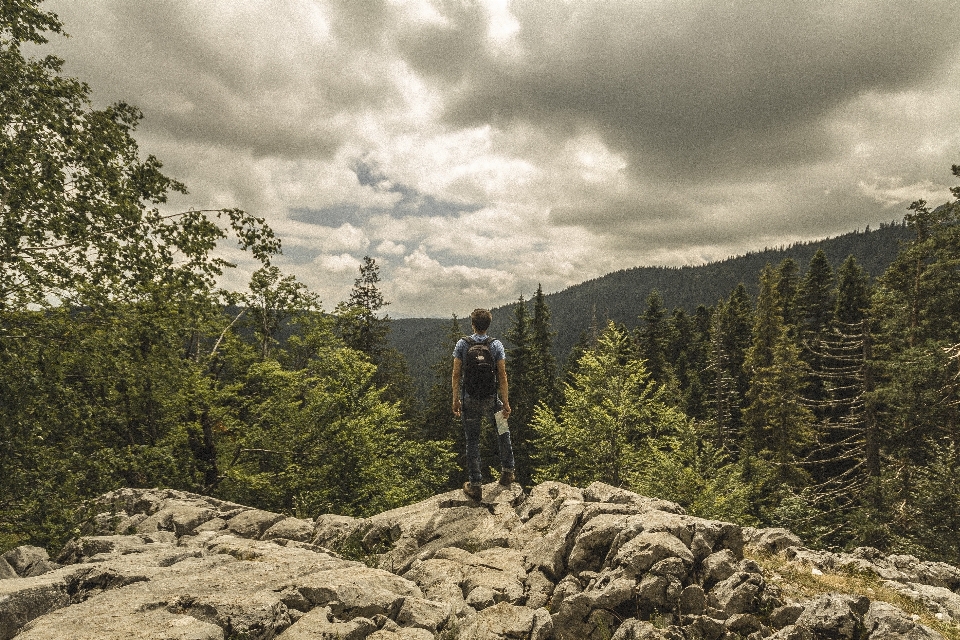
[561,563]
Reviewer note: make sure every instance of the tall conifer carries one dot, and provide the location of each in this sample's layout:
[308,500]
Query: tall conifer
[545,364]
[521,367]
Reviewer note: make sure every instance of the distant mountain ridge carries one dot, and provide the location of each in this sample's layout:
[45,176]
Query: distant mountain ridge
[621,296]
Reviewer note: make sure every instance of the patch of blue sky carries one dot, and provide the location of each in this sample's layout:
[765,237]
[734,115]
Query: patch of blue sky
[411,203]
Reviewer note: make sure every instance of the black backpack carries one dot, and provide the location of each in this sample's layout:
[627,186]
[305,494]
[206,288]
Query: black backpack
[479,370]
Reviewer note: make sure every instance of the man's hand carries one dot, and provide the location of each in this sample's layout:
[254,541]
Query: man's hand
[506,410]
[456,407]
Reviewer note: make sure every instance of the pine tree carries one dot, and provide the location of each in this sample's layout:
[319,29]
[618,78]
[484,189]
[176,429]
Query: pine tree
[608,413]
[360,325]
[521,373]
[545,364]
[815,304]
[687,350]
[778,423]
[816,298]
[652,339]
[723,395]
[362,328]
[853,293]
[788,285]
[728,381]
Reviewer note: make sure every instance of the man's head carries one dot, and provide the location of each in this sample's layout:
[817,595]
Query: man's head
[480,319]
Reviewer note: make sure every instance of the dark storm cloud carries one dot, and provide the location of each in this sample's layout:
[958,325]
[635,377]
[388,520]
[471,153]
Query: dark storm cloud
[699,88]
[234,78]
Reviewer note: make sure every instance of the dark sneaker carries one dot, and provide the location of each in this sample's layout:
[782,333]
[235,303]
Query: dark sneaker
[473,490]
[507,477]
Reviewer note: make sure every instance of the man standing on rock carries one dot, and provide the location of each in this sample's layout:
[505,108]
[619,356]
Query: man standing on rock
[479,372]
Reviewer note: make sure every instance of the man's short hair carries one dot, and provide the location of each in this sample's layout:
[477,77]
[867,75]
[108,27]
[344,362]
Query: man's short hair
[481,319]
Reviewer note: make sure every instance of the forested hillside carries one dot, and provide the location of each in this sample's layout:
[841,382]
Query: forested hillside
[622,296]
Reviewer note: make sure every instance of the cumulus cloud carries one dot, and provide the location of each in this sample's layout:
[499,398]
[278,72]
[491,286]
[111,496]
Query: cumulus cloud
[476,149]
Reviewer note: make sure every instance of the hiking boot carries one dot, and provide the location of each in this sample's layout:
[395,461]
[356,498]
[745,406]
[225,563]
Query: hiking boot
[473,490]
[507,477]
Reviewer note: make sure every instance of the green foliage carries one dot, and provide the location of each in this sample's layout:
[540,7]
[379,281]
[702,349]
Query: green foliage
[273,299]
[608,412]
[313,441]
[685,468]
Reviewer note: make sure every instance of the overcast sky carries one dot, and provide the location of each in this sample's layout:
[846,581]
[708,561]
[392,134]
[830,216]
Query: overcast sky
[478,148]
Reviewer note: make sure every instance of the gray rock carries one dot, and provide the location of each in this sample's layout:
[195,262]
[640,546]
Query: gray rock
[505,620]
[539,589]
[885,622]
[742,624]
[356,590]
[653,593]
[646,549]
[213,524]
[634,629]
[704,627]
[88,548]
[423,614]
[26,599]
[772,540]
[793,632]
[6,571]
[601,492]
[132,596]
[253,523]
[834,616]
[41,567]
[938,600]
[401,634]
[330,530]
[205,568]
[180,516]
[500,570]
[290,529]
[593,541]
[482,597]
[693,600]
[23,558]
[549,553]
[785,615]
[718,567]
[319,624]
[439,579]
[740,593]
[579,618]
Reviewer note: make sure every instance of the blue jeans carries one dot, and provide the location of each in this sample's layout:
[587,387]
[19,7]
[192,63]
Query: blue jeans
[472,412]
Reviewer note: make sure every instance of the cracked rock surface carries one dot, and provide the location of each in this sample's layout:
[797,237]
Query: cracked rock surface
[561,563]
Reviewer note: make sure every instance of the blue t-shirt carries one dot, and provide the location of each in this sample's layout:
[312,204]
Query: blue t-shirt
[496,348]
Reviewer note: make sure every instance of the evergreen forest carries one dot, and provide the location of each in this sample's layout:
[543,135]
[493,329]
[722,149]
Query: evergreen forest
[815,397]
